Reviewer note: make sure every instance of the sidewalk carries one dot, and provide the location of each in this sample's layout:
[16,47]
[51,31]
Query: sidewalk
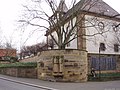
[111,85]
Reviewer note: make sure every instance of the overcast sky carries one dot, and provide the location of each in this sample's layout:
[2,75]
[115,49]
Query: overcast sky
[10,10]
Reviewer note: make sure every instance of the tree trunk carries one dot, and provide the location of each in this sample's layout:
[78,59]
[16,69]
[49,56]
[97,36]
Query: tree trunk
[62,47]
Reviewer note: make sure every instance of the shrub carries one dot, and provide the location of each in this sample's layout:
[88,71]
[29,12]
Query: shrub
[19,64]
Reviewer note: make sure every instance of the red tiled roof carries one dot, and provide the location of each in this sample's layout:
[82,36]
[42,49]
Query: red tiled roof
[7,52]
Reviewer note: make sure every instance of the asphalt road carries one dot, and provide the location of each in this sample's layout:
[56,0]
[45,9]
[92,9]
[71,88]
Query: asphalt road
[6,85]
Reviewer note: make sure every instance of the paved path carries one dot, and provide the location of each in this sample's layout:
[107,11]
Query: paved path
[109,85]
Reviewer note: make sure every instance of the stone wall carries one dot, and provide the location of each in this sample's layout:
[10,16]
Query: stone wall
[26,72]
[63,65]
[68,65]
[30,59]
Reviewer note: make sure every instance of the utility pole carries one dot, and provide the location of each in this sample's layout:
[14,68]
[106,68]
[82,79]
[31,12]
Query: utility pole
[99,65]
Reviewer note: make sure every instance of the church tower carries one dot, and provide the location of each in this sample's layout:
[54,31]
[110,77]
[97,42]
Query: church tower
[59,12]
[62,6]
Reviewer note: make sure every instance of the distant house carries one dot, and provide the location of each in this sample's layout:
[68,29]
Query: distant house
[7,54]
[97,25]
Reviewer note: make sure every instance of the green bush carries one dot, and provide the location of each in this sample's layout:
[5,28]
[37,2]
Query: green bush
[105,77]
[19,64]
[110,75]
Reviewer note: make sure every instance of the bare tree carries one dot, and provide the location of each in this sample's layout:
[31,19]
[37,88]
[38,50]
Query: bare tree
[116,34]
[67,24]
[32,50]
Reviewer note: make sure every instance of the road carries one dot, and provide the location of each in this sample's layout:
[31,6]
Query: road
[6,85]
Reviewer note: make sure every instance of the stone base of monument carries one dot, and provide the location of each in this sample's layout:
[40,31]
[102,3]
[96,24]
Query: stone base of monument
[63,65]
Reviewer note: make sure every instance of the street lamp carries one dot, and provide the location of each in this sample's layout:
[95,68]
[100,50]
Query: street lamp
[101,48]
[99,65]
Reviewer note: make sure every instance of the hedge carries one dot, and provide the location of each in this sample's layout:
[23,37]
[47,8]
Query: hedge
[105,77]
[19,64]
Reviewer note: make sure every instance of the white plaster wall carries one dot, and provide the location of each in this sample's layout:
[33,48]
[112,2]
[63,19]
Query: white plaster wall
[55,36]
[73,43]
[92,43]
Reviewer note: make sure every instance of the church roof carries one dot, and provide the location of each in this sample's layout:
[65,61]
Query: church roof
[98,7]
[94,6]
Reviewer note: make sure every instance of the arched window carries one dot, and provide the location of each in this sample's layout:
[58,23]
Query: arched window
[116,47]
[102,46]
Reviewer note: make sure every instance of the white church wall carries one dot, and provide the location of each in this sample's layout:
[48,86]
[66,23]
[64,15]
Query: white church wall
[93,42]
[73,43]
